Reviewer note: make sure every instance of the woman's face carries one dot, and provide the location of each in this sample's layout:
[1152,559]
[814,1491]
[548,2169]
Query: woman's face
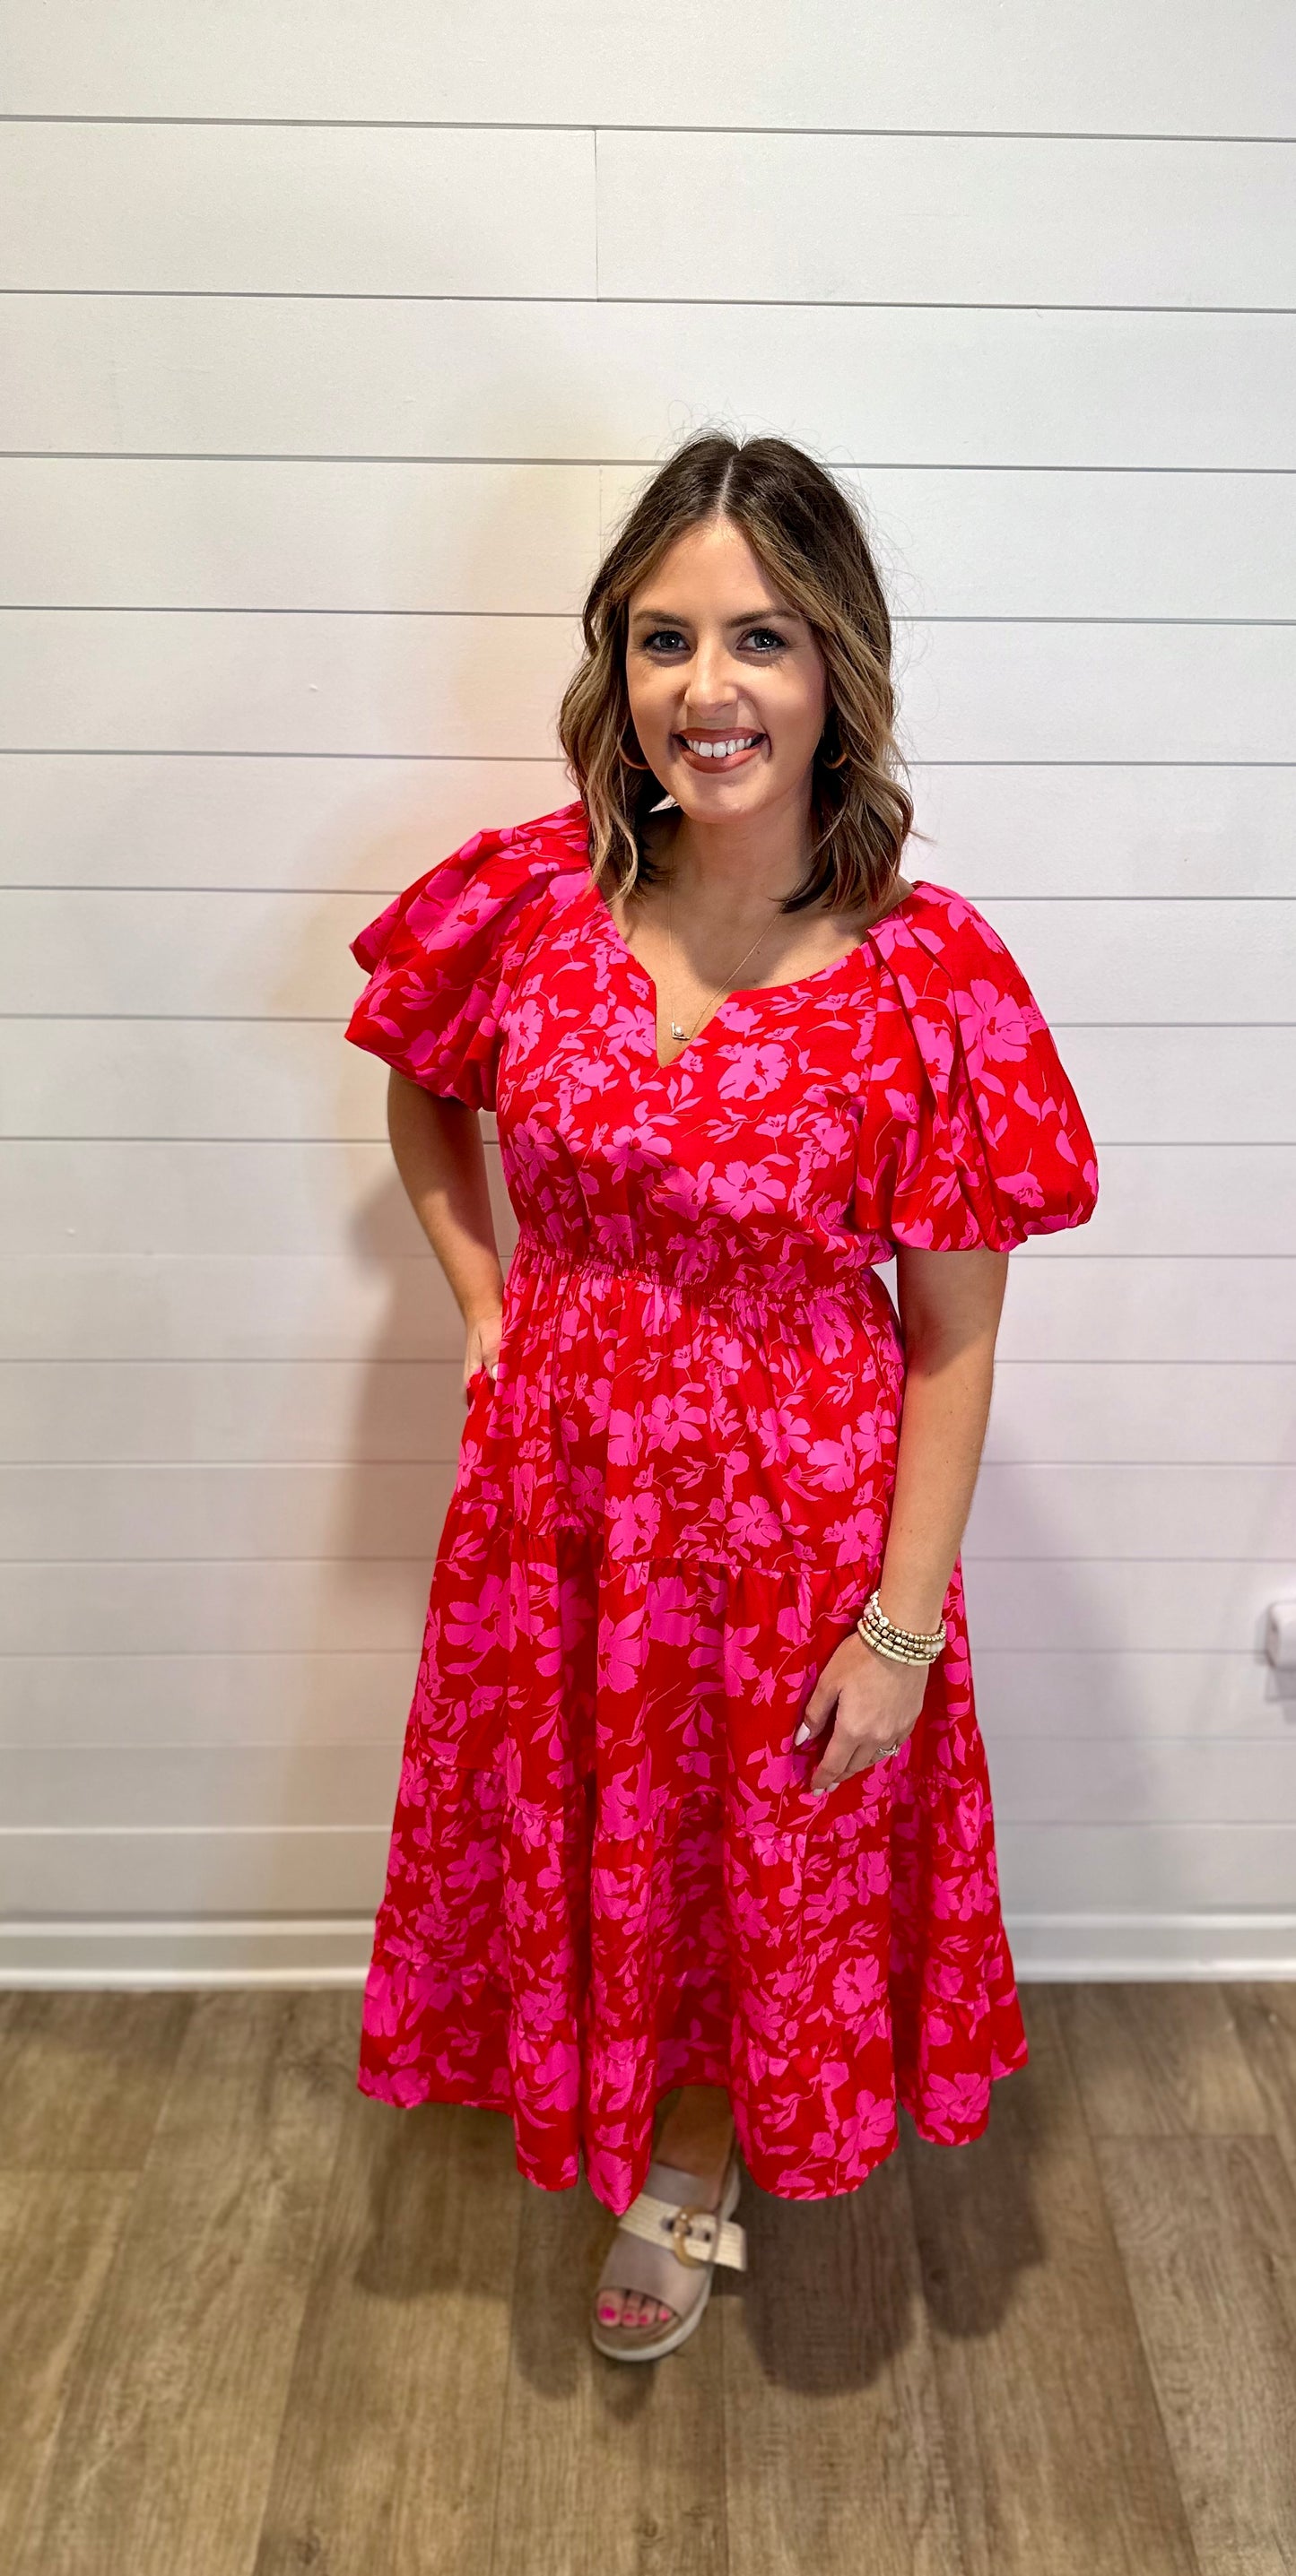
[713,656]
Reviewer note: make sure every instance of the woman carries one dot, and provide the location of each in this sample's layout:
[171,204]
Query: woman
[694,1799]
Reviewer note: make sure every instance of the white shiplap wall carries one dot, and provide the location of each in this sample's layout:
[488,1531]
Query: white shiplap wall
[333,341]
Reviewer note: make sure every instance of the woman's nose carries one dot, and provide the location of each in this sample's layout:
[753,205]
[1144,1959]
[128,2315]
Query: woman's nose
[711,690]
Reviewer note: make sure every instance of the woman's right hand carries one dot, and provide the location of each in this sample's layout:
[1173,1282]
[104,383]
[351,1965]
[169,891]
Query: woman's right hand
[482,1347]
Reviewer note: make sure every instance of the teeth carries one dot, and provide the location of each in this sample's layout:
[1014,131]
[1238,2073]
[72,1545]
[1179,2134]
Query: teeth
[721,750]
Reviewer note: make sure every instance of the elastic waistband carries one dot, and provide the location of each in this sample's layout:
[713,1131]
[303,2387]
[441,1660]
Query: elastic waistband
[762,1294]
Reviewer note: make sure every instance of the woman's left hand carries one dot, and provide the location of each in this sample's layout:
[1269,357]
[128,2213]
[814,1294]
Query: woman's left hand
[876,1701]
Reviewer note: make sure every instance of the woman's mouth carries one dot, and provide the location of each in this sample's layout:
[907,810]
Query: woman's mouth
[719,751]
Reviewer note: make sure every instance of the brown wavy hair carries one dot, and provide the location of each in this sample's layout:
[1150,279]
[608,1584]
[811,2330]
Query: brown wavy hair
[812,545]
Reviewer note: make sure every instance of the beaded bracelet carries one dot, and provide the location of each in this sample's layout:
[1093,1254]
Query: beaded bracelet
[902,1645]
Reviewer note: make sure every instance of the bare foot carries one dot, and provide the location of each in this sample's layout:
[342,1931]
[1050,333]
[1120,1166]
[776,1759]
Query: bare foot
[696,2135]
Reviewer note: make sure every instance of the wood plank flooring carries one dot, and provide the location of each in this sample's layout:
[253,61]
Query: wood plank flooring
[252,2323]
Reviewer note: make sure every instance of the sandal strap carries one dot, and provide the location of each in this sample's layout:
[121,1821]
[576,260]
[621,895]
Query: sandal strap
[698,2236]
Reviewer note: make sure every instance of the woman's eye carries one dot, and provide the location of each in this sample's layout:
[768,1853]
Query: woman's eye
[671,635]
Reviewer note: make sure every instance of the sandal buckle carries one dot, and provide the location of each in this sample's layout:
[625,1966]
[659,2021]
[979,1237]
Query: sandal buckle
[681,2228]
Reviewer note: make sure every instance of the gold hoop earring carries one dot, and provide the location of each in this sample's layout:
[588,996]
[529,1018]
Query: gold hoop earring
[629,763]
[843,755]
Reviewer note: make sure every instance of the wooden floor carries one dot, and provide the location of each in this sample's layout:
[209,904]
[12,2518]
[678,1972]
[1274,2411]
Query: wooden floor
[254,2323]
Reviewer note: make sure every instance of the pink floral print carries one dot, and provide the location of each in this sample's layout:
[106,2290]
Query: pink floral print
[607,1875]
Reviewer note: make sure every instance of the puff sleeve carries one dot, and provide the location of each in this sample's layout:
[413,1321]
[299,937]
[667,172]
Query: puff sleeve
[973,1134]
[440,959]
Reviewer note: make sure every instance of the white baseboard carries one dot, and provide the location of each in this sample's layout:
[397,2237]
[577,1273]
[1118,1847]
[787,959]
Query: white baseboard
[320,1950]
[1074,1949]
[316,1950]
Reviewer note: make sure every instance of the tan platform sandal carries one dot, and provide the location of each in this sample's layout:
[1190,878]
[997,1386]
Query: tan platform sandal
[666,2247]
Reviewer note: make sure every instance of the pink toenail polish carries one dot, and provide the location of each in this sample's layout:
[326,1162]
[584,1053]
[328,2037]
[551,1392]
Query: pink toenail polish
[607,2313]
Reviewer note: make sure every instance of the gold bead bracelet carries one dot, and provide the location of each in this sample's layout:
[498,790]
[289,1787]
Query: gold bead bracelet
[902,1645]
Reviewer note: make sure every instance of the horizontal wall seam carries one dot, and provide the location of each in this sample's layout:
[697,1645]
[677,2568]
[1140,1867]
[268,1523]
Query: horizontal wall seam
[637,303]
[596,126]
[375,894]
[380,1827]
[156,1260]
[53,1656]
[556,616]
[392,1742]
[578,464]
[547,760]
[1283,1567]
[208,1136]
[377,1360]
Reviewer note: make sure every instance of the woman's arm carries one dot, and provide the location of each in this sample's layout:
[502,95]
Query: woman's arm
[950,1304]
[438,1151]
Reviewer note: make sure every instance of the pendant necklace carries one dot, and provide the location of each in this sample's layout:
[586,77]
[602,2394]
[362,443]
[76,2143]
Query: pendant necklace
[675,1029]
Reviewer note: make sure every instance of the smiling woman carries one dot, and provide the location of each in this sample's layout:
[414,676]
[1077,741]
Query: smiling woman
[729,676]
[704,752]
[668,1816]
[728,683]
[740,598]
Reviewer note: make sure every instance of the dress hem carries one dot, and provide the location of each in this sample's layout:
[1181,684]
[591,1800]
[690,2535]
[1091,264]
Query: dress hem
[470,2099]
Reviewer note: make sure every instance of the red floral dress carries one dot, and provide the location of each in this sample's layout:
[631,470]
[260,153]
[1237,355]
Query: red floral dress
[606,1875]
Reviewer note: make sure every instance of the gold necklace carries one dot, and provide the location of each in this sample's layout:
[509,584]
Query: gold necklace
[675,1029]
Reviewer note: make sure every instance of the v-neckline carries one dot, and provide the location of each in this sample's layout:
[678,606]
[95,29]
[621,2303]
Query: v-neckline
[741,992]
